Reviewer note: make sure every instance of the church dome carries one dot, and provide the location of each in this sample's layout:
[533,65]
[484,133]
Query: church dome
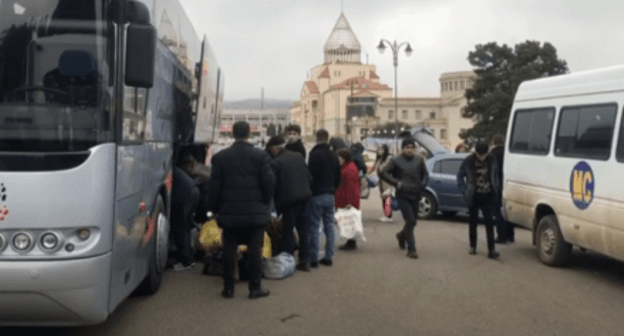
[342,46]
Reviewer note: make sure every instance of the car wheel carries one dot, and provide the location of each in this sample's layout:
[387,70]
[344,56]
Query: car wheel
[427,207]
[552,250]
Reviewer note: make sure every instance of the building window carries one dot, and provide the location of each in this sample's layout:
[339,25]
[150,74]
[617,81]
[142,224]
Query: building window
[448,87]
[443,134]
[391,114]
[462,84]
[404,114]
[418,114]
[585,132]
[431,115]
[531,131]
[442,87]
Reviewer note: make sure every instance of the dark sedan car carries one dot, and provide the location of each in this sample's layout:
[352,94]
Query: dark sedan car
[442,193]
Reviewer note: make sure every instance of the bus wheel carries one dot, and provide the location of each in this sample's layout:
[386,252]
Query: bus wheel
[552,250]
[158,259]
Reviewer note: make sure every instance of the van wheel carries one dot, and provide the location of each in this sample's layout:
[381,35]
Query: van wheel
[158,260]
[427,208]
[552,250]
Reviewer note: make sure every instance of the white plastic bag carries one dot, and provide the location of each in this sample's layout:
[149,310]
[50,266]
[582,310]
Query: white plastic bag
[280,266]
[350,224]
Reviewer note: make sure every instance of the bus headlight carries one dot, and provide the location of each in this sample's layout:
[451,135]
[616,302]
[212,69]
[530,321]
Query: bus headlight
[49,241]
[84,234]
[22,242]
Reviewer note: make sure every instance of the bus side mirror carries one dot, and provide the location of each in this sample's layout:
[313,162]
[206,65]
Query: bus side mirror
[140,47]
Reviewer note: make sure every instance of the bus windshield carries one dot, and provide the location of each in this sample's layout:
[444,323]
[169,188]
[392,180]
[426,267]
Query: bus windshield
[54,92]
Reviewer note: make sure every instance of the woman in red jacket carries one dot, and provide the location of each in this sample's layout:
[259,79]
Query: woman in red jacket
[348,193]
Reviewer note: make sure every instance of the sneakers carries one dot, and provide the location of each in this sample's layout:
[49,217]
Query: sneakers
[472,251]
[181,267]
[401,240]
[386,220]
[314,264]
[412,255]
[493,254]
[259,293]
[326,262]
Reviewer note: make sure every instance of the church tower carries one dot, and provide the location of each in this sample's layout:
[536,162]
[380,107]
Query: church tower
[342,46]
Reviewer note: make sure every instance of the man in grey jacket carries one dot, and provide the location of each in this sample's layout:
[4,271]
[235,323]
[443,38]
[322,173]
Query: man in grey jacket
[408,173]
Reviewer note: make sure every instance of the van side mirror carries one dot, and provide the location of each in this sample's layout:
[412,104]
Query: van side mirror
[140,46]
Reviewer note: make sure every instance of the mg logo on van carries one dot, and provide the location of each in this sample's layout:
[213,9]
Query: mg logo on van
[582,185]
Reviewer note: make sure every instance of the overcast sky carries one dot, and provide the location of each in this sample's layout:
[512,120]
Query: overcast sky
[274,43]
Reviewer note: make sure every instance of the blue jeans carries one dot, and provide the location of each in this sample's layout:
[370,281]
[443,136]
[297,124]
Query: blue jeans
[321,207]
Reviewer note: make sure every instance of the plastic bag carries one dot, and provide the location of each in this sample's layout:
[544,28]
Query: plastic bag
[210,235]
[373,181]
[364,189]
[279,267]
[387,206]
[350,224]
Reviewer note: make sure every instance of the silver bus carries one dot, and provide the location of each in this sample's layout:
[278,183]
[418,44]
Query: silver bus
[97,98]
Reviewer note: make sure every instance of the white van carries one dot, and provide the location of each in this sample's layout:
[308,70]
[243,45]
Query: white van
[563,165]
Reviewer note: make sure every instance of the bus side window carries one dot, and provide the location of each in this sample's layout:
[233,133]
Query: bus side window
[532,130]
[586,131]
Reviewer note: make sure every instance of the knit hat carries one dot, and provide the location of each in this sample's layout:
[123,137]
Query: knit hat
[482,147]
[276,141]
[408,142]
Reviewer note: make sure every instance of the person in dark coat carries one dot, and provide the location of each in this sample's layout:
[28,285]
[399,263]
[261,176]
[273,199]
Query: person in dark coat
[357,149]
[293,136]
[241,187]
[292,194]
[408,174]
[504,229]
[325,169]
[337,143]
[185,198]
[479,182]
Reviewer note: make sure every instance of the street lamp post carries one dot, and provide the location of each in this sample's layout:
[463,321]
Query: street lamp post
[395,52]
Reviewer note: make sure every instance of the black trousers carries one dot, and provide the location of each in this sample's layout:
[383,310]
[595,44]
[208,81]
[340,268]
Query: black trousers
[185,198]
[504,229]
[296,216]
[409,210]
[483,202]
[253,238]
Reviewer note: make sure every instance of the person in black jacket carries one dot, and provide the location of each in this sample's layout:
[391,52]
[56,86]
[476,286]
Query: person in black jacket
[293,135]
[408,174]
[504,229]
[357,149]
[241,187]
[292,194]
[336,144]
[478,180]
[325,169]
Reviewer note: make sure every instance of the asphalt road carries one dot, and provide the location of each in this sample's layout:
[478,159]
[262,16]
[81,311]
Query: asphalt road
[377,290]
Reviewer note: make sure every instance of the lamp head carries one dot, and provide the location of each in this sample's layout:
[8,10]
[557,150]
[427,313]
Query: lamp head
[381,47]
[408,50]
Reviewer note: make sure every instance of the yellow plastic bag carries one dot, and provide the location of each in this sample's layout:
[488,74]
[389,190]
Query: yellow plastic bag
[210,238]
[210,235]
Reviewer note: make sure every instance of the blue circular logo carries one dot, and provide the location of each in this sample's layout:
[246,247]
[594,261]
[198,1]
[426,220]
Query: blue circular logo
[582,185]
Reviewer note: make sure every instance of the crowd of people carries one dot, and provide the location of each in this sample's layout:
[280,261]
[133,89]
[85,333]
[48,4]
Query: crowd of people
[248,187]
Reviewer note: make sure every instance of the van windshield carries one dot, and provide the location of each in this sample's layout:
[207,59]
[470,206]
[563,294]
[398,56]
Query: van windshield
[53,75]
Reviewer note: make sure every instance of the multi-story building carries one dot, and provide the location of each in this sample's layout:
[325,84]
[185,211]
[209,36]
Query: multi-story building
[259,120]
[346,98]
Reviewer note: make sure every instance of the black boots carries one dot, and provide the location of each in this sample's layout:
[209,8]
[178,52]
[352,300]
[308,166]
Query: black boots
[259,293]
[350,245]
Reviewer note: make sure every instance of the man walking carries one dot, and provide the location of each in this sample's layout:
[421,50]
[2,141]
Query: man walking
[408,174]
[241,187]
[292,194]
[293,136]
[325,169]
[478,181]
[504,229]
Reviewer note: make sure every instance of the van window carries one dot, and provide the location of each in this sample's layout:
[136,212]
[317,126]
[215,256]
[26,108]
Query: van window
[586,131]
[531,131]
[619,153]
